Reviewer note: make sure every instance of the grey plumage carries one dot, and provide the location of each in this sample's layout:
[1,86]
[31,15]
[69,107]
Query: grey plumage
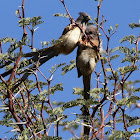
[86,60]
[87,54]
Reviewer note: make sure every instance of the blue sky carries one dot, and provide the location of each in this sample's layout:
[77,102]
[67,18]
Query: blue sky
[120,12]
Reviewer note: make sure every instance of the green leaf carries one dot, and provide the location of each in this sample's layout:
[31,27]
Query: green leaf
[36,21]
[128,58]
[108,69]
[71,124]
[114,57]
[137,90]
[133,122]
[109,31]
[57,87]
[128,101]
[104,59]
[8,40]
[24,21]
[97,90]
[111,28]
[78,91]
[116,26]
[124,70]
[134,25]
[73,103]
[129,38]
[57,111]
[120,135]
[137,130]
[45,43]
[50,138]
[30,21]
[114,49]
[69,67]
[111,77]
[16,44]
[122,102]
[6,59]
[61,15]
[124,49]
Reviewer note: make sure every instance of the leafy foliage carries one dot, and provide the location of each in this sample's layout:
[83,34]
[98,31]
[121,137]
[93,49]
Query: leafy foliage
[126,69]
[31,109]
[61,15]
[34,21]
[134,25]
[128,101]
[69,67]
[114,57]
[120,135]
[129,38]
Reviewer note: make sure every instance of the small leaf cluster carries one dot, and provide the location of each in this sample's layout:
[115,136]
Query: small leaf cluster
[34,21]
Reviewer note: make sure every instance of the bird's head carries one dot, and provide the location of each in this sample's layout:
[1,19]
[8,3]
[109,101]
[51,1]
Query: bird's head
[83,18]
[91,30]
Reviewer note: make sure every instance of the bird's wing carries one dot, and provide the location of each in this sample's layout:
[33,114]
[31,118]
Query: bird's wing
[68,28]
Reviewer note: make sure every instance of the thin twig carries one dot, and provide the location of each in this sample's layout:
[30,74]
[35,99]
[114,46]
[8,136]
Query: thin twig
[22,96]
[48,130]
[37,82]
[1,47]
[137,43]
[102,118]
[22,18]
[57,129]
[21,47]
[71,19]
[23,14]
[102,123]
[43,120]
[124,121]
[108,39]
[21,109]
[98,15]
[49,101]
[32,37]
[27,91]
[114,122]
[15,66]
[13,111]
[42,73]
[96,108]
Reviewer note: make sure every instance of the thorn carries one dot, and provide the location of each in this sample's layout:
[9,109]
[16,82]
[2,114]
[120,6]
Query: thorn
[51,77]
[35,29]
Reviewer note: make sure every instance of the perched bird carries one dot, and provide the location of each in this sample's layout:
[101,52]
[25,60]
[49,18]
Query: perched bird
[65,44]
[88,55]
[86,60]
[70,36]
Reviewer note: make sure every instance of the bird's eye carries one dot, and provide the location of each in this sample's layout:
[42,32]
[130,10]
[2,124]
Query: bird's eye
[90,32]
[85,16]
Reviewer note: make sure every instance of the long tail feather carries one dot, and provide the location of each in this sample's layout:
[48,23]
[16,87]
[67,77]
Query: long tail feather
[86,82]
[43,55]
